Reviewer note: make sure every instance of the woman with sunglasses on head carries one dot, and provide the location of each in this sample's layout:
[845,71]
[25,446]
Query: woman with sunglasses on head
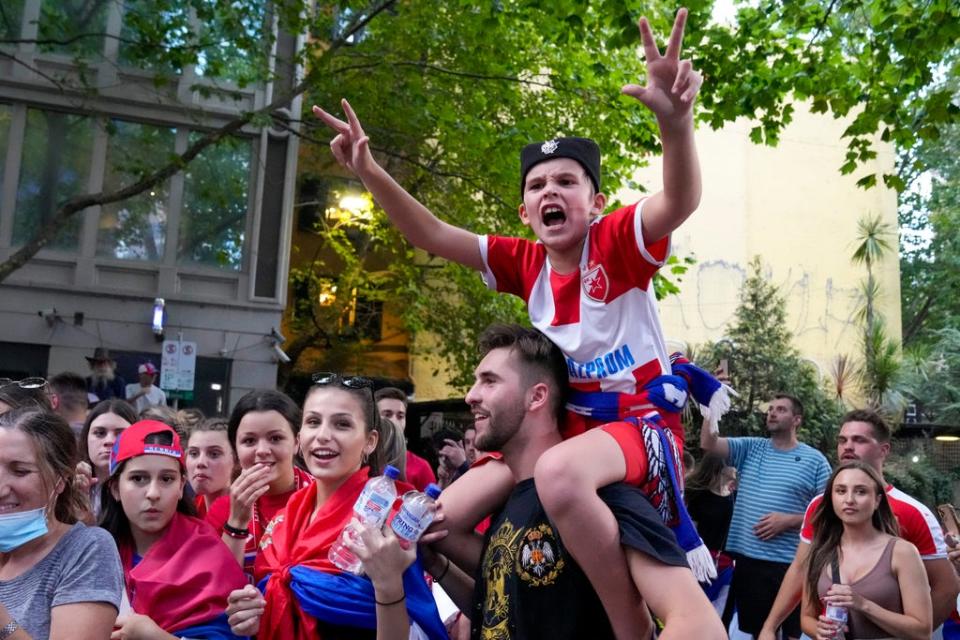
[304,594]
[858,563]
[28,393]
[103,426]
[59,579]
[211,462]
[262,429]
[178,572]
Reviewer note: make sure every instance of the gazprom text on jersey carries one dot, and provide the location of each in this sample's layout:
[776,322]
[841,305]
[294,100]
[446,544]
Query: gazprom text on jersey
[602,367]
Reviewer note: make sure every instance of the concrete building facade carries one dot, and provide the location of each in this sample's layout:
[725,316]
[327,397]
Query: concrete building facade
[212,242]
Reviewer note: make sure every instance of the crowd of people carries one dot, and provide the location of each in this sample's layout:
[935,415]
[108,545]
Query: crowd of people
[564,512]
[160,525]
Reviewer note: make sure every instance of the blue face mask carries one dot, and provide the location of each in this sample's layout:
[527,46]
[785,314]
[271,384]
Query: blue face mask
[17,529]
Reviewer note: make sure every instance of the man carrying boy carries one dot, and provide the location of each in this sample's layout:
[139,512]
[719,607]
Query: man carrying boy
[526,585]
[587,283]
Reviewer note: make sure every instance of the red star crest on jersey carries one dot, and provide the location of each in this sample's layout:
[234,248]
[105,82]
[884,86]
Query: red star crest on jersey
[596,284]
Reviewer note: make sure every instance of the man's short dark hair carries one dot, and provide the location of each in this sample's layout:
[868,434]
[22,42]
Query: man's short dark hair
[795,405]
[881,430]
[541,359]
[390,393]
[71,389]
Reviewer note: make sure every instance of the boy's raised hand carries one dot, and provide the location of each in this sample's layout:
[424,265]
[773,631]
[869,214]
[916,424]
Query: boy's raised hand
[672,83]
[351,146]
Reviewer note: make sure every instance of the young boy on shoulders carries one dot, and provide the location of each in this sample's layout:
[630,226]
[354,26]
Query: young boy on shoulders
[587,282]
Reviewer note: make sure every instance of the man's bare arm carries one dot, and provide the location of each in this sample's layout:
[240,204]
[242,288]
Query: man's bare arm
[675,597]
[943,588]
[712,442]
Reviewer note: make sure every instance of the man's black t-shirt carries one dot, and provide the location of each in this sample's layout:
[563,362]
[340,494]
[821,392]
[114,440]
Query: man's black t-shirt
[529,587]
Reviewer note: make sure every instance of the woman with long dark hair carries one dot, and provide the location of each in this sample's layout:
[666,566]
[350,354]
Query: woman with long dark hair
[263,431]
[100,430]
[304,593]
[178,572]
[709,496]
[59,579]
[857,562]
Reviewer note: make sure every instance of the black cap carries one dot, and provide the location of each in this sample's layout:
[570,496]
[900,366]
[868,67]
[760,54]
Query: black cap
[583,150]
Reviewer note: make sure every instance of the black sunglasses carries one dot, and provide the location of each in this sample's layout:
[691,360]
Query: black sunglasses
[26,383]
[351,382]
[356,383]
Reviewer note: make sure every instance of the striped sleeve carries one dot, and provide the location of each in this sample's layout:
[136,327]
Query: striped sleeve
[806,531]
[511,265]
[918,525]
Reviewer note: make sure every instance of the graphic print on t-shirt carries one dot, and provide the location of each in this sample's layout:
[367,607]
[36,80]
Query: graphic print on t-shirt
[596,284]
[535,557]
[539,563]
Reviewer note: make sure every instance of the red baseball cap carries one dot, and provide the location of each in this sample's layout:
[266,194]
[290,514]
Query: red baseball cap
[147,367]
[132,443]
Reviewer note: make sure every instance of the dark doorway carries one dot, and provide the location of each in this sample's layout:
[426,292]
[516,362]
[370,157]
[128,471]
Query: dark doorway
[19,361]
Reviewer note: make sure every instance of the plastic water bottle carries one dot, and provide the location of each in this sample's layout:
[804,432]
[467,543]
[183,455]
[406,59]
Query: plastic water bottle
[416,513]
[839,615]
[370,509]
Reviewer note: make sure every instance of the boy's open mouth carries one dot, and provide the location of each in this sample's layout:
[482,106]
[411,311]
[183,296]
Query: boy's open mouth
[553,216]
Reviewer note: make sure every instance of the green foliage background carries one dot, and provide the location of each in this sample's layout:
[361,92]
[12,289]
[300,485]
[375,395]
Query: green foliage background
[449,90]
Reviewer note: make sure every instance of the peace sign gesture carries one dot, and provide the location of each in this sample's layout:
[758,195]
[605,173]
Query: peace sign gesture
[351,146]
[672,84]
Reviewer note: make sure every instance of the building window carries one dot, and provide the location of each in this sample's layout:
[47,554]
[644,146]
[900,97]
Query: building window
[214,217]
[135,228]
[73,27]
[241,48]
[56,157]
[11,17]
[144,46]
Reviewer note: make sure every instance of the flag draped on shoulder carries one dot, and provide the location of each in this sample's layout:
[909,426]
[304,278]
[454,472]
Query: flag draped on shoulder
[302,586]
[184,579]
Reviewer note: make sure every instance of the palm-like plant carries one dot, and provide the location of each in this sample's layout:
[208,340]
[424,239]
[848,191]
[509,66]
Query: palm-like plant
[873,237]
[843,374]
[880,371]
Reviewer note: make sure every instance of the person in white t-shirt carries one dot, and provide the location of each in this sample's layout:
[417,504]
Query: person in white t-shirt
[144,393]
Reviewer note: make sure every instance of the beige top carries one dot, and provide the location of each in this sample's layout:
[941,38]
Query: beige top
[880,586]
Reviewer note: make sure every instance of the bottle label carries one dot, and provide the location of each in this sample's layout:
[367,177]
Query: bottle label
[408,526]
[373,508]
[836,613]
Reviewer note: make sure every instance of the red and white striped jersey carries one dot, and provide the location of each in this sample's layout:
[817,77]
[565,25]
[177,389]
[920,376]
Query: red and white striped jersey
[604,315]
[918,525]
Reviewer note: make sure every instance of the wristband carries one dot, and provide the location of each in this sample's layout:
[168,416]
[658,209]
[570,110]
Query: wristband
[9,629]
[382,604]
[233,532]
[444,572]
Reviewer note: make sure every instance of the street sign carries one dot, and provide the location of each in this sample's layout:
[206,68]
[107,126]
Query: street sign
[178,365]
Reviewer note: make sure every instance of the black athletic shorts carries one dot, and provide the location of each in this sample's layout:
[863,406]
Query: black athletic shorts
[754,588]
